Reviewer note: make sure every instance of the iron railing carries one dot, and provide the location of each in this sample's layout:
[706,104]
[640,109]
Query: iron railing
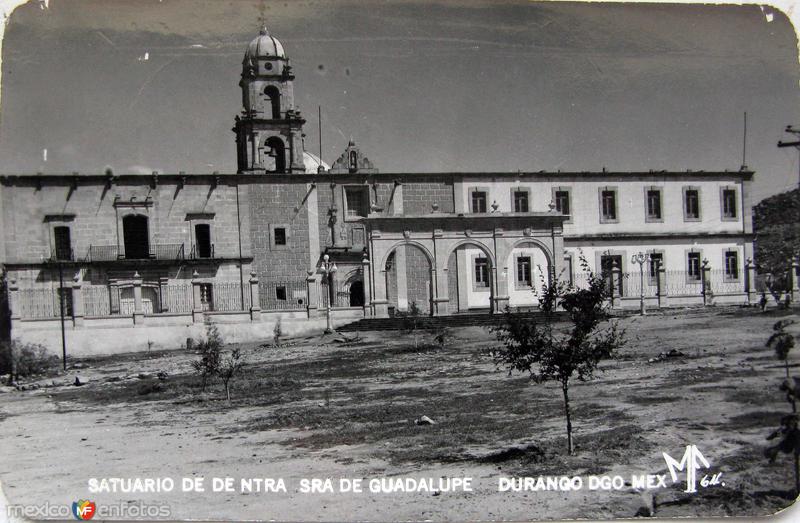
[43,303]
[159,251]
[230,296]
[195,253]
[176,298]
[283,295]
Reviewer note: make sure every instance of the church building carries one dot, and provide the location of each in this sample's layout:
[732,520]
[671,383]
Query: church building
[135,260]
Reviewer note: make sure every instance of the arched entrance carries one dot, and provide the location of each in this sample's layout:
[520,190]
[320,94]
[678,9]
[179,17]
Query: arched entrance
[529,268]
[408,280]
[470,279]
[356,293]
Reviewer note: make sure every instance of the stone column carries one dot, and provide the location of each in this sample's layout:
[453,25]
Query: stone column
[442,300]
[365,272]
[661,280]
[705,283]
[793,274]
[750,282]
[14,301]
[138,312]
[197,299]
[163,282]
[379,302]
[77,301]
[500,290]
[312,289]
[255,298]
[402,282]
[616,281]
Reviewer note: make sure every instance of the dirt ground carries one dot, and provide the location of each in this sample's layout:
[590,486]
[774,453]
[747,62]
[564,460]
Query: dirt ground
[322,408]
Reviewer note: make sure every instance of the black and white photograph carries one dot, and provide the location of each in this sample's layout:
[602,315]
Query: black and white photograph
[398,260]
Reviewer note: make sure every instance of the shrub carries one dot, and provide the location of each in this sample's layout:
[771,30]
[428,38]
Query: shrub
[21,360]
[443,337]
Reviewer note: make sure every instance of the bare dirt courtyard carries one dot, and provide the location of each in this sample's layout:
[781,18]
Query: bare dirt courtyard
[322,407]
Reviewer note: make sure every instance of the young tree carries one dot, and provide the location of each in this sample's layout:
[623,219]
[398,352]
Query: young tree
[229,367]
[782,342]
[277,333]
[210,352]
[413,322]
[537,347]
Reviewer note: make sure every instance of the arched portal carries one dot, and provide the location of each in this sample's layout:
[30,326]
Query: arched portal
[408,280]
[529,268]
[470,279]
[356,293]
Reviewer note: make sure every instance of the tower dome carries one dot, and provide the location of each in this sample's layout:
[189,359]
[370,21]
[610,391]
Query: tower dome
[263,46]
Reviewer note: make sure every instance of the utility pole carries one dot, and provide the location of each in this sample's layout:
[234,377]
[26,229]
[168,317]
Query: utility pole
[796,144]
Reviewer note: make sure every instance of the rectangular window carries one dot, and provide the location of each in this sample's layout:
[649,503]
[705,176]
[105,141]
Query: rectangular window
[691,204]
[478,201]
[524,271]
[731,265]
[608,205]
[63,242]
[280,292]
[520,201]
[656,261]
[481,272]
[202,238]
[729,204]
[561,198]
[279,235]
[693,266]
[357,202]
[653,204]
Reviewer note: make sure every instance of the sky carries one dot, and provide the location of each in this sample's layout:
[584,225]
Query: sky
[447,85]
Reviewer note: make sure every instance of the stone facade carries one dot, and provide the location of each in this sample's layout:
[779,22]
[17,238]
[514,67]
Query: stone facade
[159,254]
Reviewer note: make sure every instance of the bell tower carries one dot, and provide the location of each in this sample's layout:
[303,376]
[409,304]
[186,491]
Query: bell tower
[269,132]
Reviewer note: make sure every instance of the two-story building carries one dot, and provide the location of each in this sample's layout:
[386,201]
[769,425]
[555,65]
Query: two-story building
[134,260]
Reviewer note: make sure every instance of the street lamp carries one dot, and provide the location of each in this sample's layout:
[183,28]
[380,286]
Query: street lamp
[641,259]
[328,268]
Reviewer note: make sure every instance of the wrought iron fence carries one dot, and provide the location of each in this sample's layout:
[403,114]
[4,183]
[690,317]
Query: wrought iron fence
[340,293]
[283,295]
[96,300]
[720,282]
[681,283]
[177,298]
[230,296]
[632,285]
[43,303]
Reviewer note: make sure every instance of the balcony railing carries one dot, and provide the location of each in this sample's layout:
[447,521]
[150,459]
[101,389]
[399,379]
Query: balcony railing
[103,253]
[61,255]
[159,251]
[197,253]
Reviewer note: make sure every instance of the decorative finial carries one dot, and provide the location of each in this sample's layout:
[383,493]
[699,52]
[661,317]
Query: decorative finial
[263,31]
